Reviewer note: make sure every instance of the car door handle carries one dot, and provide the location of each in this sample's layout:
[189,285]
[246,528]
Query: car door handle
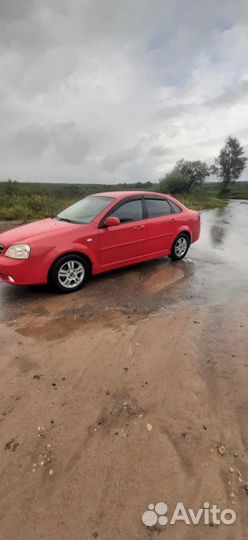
[139,227]
[173,219]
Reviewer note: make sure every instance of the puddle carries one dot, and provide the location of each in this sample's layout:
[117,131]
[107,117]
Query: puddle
[162,278]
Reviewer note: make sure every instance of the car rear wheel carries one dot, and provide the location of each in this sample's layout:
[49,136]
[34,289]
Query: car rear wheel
[180,247]
[69,273]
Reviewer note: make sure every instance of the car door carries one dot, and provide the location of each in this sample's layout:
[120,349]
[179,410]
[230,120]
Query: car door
[126,241]
[162,225]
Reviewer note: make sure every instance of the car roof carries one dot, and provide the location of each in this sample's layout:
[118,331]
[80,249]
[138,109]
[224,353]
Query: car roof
[123,194]
[119,196]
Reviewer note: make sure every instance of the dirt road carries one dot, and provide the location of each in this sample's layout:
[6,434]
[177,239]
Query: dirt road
[131,392]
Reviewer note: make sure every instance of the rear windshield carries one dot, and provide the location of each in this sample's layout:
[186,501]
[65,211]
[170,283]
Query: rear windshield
[86,210]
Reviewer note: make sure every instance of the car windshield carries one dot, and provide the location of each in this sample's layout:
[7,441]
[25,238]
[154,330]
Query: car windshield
[86,210]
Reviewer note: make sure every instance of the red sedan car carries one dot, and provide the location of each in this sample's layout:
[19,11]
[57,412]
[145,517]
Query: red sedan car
[99,233]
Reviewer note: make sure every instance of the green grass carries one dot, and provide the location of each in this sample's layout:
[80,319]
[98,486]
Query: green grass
[202,201]
[238,192]
[34,201]
[209,196]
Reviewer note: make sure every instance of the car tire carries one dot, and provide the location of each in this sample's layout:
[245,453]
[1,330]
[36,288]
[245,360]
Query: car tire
[69,273]
[180,247]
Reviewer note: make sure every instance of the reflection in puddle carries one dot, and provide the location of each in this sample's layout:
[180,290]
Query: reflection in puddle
[219,229]
[163,278]
[218,234]
[168,274]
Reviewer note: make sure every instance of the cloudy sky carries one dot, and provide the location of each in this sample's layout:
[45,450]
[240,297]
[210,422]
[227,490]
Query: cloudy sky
[119,90]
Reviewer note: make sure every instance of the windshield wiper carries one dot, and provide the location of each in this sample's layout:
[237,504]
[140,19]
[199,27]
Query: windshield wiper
[71,220]
[65,219]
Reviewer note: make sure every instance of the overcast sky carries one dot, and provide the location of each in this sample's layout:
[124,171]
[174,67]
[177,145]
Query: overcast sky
[119,90]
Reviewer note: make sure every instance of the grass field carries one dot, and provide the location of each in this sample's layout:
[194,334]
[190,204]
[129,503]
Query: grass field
[34,200]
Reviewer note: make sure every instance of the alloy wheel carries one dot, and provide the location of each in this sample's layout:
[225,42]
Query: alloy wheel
[71,274]
[181,246]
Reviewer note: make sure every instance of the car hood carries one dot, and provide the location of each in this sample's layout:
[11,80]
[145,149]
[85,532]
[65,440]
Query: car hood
[31,231]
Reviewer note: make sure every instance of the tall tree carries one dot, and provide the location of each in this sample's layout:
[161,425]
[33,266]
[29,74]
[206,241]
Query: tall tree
[194,171]
[230,163]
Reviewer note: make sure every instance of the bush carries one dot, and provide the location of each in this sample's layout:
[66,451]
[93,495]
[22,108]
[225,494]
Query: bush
[174,182]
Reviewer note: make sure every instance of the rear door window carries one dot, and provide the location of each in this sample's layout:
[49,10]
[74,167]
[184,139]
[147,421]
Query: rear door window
[157,208]
[174,208]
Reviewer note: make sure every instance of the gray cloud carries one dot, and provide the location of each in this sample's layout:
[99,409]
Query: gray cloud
[118,89]
[158,151]
[230,96]
[64,141]
[173,111]
[113,161]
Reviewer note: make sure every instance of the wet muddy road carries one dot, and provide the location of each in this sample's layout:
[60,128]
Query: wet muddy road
[130,392]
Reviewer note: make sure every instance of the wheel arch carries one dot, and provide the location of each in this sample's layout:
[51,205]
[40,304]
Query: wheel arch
[186,232]
[69,252]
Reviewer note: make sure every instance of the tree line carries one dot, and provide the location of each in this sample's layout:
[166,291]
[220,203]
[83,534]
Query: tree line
[187,175]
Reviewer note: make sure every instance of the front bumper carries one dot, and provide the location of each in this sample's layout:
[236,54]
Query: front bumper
[21,272]
[9,279]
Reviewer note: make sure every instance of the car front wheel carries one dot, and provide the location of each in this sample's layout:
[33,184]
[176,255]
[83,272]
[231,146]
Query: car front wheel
[69,273]
[180,247]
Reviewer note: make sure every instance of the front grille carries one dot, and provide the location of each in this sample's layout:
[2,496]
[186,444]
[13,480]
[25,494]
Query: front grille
[1,249]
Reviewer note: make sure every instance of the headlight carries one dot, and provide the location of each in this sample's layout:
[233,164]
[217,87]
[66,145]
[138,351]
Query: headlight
[19,251]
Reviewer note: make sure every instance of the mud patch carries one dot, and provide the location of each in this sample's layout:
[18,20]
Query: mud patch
[24,363]
[50,330]
[120,414]
[162,278]
[12,445]
[41,311]
[111,301]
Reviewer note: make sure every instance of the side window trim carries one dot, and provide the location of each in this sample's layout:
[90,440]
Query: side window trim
[118,205]
[172,209]
[156,198]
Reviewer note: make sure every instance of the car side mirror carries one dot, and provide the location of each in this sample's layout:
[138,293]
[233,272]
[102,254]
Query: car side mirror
[111,221]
